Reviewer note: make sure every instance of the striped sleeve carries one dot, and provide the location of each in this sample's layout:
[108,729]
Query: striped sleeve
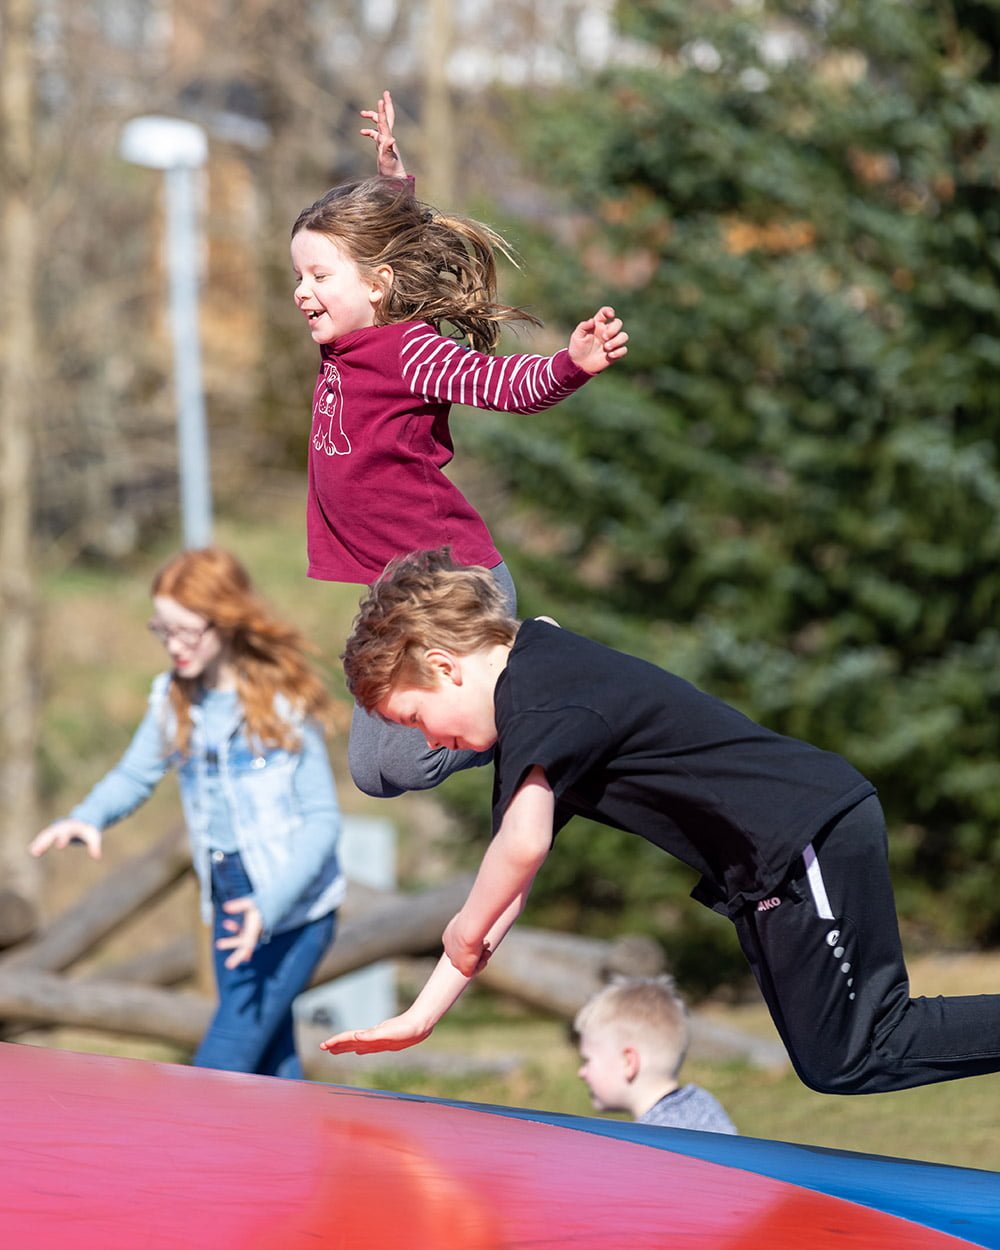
[438,368]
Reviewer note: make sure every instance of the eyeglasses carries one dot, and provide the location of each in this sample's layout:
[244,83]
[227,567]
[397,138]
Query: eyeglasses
[187,636]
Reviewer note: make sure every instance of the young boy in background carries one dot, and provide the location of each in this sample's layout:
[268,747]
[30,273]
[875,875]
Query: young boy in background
[633,1037]
[790,841]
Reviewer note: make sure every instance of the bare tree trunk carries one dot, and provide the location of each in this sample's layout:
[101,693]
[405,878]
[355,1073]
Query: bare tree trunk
[18,386]
[439,122]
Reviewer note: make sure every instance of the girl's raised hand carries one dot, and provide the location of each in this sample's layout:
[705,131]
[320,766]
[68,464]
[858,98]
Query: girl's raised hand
[389,161]
[62,833]
[598,342]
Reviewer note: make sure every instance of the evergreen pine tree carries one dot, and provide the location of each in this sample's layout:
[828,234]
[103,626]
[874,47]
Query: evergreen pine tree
[790,491]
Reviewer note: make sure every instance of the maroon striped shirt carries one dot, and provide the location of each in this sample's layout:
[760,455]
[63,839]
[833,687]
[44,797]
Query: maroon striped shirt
[380,441]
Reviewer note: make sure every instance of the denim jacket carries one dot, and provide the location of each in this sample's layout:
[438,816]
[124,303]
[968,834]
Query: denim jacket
[283,806]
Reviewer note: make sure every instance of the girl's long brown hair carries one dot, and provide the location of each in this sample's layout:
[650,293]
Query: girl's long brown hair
[443,267]
[268,654]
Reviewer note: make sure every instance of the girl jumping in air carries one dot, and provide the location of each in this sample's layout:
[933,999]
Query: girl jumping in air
[378,275]
[238,717]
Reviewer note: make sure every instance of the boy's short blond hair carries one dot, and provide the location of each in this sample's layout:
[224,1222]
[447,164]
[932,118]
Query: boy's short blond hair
[645,1012]
[422,601]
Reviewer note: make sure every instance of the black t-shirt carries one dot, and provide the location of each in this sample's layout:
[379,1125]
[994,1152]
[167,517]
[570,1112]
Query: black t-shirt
[632,746]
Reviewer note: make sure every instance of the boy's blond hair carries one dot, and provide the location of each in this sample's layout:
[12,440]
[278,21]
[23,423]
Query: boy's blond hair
[646,1012]
[422,601]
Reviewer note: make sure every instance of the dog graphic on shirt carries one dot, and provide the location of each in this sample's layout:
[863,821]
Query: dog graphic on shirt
[328,413]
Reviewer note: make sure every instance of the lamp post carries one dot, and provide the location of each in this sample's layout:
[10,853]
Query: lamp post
[180,148]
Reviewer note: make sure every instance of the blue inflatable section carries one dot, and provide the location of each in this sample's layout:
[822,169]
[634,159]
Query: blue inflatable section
[962,1202]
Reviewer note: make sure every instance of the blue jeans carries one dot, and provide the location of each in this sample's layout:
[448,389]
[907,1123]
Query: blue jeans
[253,1028]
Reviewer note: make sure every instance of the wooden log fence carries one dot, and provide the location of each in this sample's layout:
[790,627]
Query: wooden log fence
[18,918]
[555,972]
[117,897]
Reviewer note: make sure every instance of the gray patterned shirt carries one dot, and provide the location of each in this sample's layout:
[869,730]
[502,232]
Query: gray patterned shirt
[689,1107]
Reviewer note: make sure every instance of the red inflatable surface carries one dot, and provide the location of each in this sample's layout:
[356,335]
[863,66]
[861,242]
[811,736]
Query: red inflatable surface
[114,1154]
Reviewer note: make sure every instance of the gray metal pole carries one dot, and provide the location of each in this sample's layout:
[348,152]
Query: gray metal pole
[192,437]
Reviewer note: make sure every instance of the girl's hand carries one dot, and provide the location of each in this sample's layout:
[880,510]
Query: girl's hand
[64,832]
[598,342]
[468,953]
[389,161]
[246,933]
[398,1033]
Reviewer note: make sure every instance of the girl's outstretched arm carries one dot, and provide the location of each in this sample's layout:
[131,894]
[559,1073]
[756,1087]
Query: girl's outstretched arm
[390,163]
[598,342]
[62,833]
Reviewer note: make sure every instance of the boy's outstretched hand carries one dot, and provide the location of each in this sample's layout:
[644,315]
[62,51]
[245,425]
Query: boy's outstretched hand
[390,163]
[598,342]
[397,1033]
[442,990]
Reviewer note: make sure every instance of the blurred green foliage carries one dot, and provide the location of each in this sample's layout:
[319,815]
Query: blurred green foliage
[790,491]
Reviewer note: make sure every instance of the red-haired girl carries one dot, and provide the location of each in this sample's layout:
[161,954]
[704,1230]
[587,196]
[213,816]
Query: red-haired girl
[239,717]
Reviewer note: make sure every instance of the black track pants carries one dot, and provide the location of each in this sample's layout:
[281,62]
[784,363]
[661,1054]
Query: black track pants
[826,953]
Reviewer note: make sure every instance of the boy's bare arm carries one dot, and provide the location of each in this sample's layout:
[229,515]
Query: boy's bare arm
[524,840]
[505,876]
[442,990]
